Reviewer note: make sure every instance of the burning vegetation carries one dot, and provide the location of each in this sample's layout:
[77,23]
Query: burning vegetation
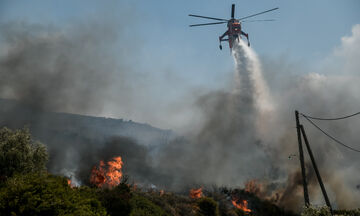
[195,193]
[41,193]
[107,175]
[241,204]
[70,183]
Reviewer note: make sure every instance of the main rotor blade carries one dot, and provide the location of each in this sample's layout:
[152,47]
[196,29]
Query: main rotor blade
[215,23]
[213,18]
[258,20]
[258,13]
[232,11]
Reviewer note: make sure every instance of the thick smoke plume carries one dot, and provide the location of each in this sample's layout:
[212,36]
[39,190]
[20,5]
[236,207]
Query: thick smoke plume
[55,70]
[229,148]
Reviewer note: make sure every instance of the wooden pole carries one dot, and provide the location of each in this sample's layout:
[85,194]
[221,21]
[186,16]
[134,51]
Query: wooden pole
[315,168]
[301,156]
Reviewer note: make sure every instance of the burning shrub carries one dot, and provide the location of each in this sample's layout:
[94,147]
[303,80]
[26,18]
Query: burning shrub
[45,194]
[256,205]
[107,175]
[195,193]
[241,204]
[19,153]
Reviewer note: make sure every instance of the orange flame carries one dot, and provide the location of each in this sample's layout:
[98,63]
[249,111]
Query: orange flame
[110,177]
[70,183]
[195,193]
[242,205]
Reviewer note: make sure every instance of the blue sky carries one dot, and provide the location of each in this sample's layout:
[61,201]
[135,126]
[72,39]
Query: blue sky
[304,31]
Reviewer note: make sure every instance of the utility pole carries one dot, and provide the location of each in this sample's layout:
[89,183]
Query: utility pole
[315,168]
[301,156]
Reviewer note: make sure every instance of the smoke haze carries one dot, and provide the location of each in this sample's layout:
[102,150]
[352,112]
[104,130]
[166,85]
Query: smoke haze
[237,135]
[55,70]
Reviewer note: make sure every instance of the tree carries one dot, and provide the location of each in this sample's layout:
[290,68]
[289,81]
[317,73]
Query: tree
[46,194]
[19,153]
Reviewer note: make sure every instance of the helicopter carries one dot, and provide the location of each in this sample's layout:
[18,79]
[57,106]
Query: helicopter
[234,26]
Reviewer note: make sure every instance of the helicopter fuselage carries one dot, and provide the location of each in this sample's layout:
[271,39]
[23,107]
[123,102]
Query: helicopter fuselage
[234,26]
[234,32]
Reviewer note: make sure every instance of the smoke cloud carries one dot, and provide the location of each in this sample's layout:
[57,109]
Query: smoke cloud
[55,70]
[228,148]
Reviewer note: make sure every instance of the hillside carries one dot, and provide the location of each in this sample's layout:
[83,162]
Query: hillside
[76,143]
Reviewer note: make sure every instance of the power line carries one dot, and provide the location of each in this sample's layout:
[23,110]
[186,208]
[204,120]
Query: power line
[330,119]
[330,136]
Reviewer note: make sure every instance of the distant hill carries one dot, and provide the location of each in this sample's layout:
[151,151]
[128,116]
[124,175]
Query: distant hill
[42,123]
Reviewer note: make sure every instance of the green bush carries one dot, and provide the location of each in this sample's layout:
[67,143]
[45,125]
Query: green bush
[116,200]
[45,194]
[172,204]
[20,154]
[354,212]
[313,211]
[325,211]
[207,207]
[144,207]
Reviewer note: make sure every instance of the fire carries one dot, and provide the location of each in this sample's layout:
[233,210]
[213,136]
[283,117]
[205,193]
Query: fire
[242,205]
[70,183]
[107,176]
[195,193]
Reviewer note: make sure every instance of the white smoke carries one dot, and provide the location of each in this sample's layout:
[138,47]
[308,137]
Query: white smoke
[71,174]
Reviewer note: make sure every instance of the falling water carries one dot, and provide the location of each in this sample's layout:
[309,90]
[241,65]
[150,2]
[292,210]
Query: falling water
[251,86]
